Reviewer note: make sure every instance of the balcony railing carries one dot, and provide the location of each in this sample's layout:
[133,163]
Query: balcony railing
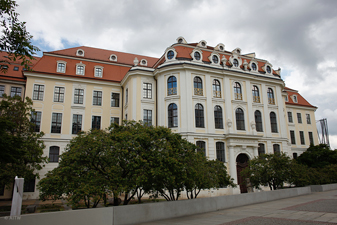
[217,94]
[256,99]
[172,91]
[198,91]
[238,96]
[271,101]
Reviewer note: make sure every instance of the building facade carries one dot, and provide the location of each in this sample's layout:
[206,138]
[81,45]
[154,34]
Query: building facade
[233,106]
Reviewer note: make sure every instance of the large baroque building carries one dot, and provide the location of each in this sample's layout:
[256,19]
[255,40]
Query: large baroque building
[233,106]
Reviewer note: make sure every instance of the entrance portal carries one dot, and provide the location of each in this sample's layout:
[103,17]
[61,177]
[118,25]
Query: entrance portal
[241,163]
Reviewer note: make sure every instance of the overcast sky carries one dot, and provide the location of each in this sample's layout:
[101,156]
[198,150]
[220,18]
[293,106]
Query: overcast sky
[299,36]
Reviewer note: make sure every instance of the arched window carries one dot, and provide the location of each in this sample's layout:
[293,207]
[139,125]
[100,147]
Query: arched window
[276,148]
[237,91]
[261,149]
[240,119]
[201,147]
[199,115]
[54,152]
[216,89]
[258,121]
[220,151]
[172,85]
[256,94]
[271,99]
[254,67]
[198,86]
[235,62]
[273,122]
[172,115]
[218,117]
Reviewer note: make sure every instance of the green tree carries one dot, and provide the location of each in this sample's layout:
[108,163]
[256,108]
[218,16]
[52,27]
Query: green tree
[270,169]
[318,156]
[15,39]
[20,147]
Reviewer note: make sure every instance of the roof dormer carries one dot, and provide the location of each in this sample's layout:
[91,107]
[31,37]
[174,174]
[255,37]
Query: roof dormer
[220,47]
[113,58]
[237,51]
[181,40]
[202,44]
[80,52]
[267,68]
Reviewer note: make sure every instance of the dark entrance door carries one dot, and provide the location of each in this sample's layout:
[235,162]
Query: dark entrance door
[241,163]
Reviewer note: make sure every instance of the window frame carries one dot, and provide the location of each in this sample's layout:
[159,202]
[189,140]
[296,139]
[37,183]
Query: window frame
[78,97]
[97,98]
[276,149]
[172,112]
[115,99]
[307,115]
[290,117]
[96,122]
[114,120]
[80,69]
[218,119]
[302,138]
[54,156]
[240,119]
[147,117]
[220,151]
[216,88]
[292,137]
[261,149]
[147,90]
[237,91]
[271,97]
[201,147]
[172,85]
[258,121]
[256,94]
[38,92]
[2,90]
[198,87]
[36,117]
[59,96]
[29,185]
[56,126]
[61,67]
[16,92]
[77,123]
[311,137]
[273,122]
[299,117]
[98,71]
[199,115]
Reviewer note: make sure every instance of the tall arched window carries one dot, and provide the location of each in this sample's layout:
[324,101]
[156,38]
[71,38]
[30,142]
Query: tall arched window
[172,85]
[199,115]
[201,147]
[276,148]
[54,152]
[216,89]
[273,122]
[240,119]
[198,86]
[258,121]
[220,151]
[261,149]
[218,117]
[172,115]
[256,94]
[237,91]
[271,99]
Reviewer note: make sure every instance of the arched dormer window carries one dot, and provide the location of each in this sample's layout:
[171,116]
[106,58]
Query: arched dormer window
[237,91]
[258,121]
[240,119]
[270,94]
[196,55]
[172,85]
[256,94]
[216,89]
[235,63]
[143,62]
[218,117]
[273,122]
[198,90]
[199,115]
[254,66]
[172,115]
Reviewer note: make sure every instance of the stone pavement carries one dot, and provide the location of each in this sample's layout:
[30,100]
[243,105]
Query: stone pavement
[316,208]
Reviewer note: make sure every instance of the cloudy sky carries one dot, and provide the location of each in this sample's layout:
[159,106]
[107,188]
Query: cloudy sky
[299,36]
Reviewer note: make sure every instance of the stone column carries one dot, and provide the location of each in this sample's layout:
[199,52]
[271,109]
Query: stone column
[232,164]
[256,152]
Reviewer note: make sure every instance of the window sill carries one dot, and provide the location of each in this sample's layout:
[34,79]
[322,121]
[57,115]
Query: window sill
[78,107]
[199,97]
[239,101]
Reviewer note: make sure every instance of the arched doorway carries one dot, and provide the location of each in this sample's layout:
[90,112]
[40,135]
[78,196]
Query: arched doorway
[241,163]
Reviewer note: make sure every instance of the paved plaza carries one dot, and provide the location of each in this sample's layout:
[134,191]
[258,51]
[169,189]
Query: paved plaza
[317,208]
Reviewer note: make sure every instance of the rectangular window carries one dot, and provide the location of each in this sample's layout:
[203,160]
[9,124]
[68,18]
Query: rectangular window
[302,138]
[292,137]
[59,94]
[29,185]
[77,123]
[56,123]
[16,91]
[311,138]
[54,152]
[299,118]
[220,151]
[2,90]
[114,120]
[147,117]
[78,96]
[126,96]
[80,70]
[61,67]
[96,122]
[290,117]
[98,72]
[16,68]
[114,99]
[308,118]
[201,147]
[97,98]
[36,120]
[147,90]
[38,92]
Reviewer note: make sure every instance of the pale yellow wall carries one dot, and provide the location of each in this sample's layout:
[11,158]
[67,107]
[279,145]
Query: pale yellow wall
[9,84]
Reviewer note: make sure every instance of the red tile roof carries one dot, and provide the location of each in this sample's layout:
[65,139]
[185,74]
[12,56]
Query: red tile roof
[11,74]
[300,100]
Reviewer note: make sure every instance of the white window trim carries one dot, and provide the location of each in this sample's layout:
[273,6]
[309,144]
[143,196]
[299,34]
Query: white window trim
[219,46]
[293,98]
[264,68]
[200,52]
[231,60]
[77,52]
[200,44]
[211,58]
[80,64]
[174,56]
[57,66]
[98,67]
[34,90]
[257,66]
[141,63]
[111,58]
